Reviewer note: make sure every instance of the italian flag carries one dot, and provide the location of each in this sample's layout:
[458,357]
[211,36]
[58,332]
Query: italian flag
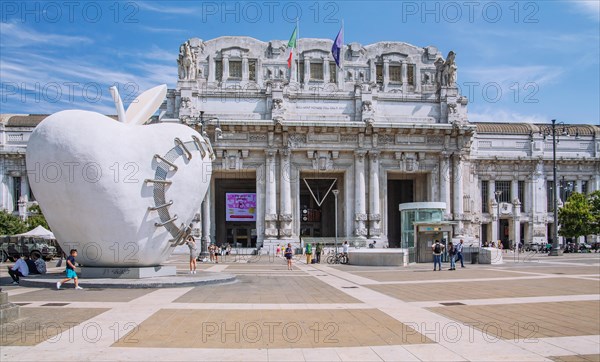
[291,45]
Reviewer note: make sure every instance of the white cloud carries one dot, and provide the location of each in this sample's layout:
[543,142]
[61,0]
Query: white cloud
[509,75]
[165,9]
[591,8]
[15,35]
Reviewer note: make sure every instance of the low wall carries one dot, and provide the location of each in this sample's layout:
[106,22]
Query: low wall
[376,257]
[490,256]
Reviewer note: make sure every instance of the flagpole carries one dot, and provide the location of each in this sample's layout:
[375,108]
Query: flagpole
[298,50]
[342,50]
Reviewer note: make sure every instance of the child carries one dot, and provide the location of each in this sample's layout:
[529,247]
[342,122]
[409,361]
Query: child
[71,274]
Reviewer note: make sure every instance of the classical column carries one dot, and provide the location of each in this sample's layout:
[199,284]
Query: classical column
[270,195]
[374,207]
[326,70]
[245,70]
[458,187]
[386,73]
[211,68]
[372,71]
[578,185]
[494,213]
[205,215]
[306,69]
[360,211]
[285,205]
[445,182]
[514,190]
[404,77]
[516,221]
[417,78]
[25,188]
[225,61]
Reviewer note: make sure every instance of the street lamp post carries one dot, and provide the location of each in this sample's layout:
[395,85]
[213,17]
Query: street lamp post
[547,131]
[335,195]
[498,193]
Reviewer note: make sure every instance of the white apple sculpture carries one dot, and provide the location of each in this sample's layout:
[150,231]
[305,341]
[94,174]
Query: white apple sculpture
[121,192]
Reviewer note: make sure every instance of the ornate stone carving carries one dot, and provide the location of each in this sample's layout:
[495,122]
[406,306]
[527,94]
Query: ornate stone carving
[375,217]
[285,217]
[348,138]
[185,102]
[296,139]
[257,137]
[360,217]
[277,104]
[386,139]
[360,232]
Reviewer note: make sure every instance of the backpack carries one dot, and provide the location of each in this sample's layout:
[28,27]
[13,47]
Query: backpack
[437,248]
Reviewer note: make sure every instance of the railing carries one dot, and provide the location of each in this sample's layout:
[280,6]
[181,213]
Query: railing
[330,241]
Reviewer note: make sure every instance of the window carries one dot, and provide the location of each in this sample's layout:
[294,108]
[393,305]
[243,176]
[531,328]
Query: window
[411,74]
[522,194]
[316,71]
[16,192]
[504,186]
[235,70]
[567,189]
[301,71]
[379,73]
[584,187]
[332,72]
[484,196]
[219,70]
[550,195]
[252,70]
[395,73]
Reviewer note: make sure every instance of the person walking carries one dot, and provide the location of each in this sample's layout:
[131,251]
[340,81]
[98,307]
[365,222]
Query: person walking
[71,274]
[288,255]
[191,243]
[319,251]
[459,253]
[211,252]
[20,269]
[308,252]
[452,255]
[437,249]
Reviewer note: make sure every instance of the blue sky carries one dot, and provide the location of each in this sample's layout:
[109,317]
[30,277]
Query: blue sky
[518,61]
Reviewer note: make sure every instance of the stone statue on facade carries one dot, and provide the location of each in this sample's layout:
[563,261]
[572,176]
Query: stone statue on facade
[439,66]
[449,70]
[186,62]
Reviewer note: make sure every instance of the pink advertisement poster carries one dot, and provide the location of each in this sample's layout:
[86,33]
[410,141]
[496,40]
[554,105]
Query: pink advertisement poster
[240,206]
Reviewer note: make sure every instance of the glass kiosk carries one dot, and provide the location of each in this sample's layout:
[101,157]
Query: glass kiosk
[421,224]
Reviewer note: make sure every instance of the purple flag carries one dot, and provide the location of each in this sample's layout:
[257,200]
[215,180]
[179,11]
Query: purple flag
[338,43]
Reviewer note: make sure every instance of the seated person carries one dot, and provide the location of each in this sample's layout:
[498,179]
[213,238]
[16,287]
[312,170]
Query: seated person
[20,269]
[40,264]
[31,265]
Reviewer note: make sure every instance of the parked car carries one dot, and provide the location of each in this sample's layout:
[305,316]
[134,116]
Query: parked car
[10,248]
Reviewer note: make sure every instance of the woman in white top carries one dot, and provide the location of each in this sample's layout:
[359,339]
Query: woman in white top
[191,243]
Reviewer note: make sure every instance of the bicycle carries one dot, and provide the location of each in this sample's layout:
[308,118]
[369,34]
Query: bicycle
[337,258]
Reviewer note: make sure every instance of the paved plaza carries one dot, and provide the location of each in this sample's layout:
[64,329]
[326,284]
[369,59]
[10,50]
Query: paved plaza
[535,308]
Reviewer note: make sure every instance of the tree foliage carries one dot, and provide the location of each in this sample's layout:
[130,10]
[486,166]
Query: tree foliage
[36,218]
[575,217]
[11,224]
[594,201]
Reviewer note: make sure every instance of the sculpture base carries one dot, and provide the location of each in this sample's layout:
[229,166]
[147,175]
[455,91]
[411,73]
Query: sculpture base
[128,272]
[8,311]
